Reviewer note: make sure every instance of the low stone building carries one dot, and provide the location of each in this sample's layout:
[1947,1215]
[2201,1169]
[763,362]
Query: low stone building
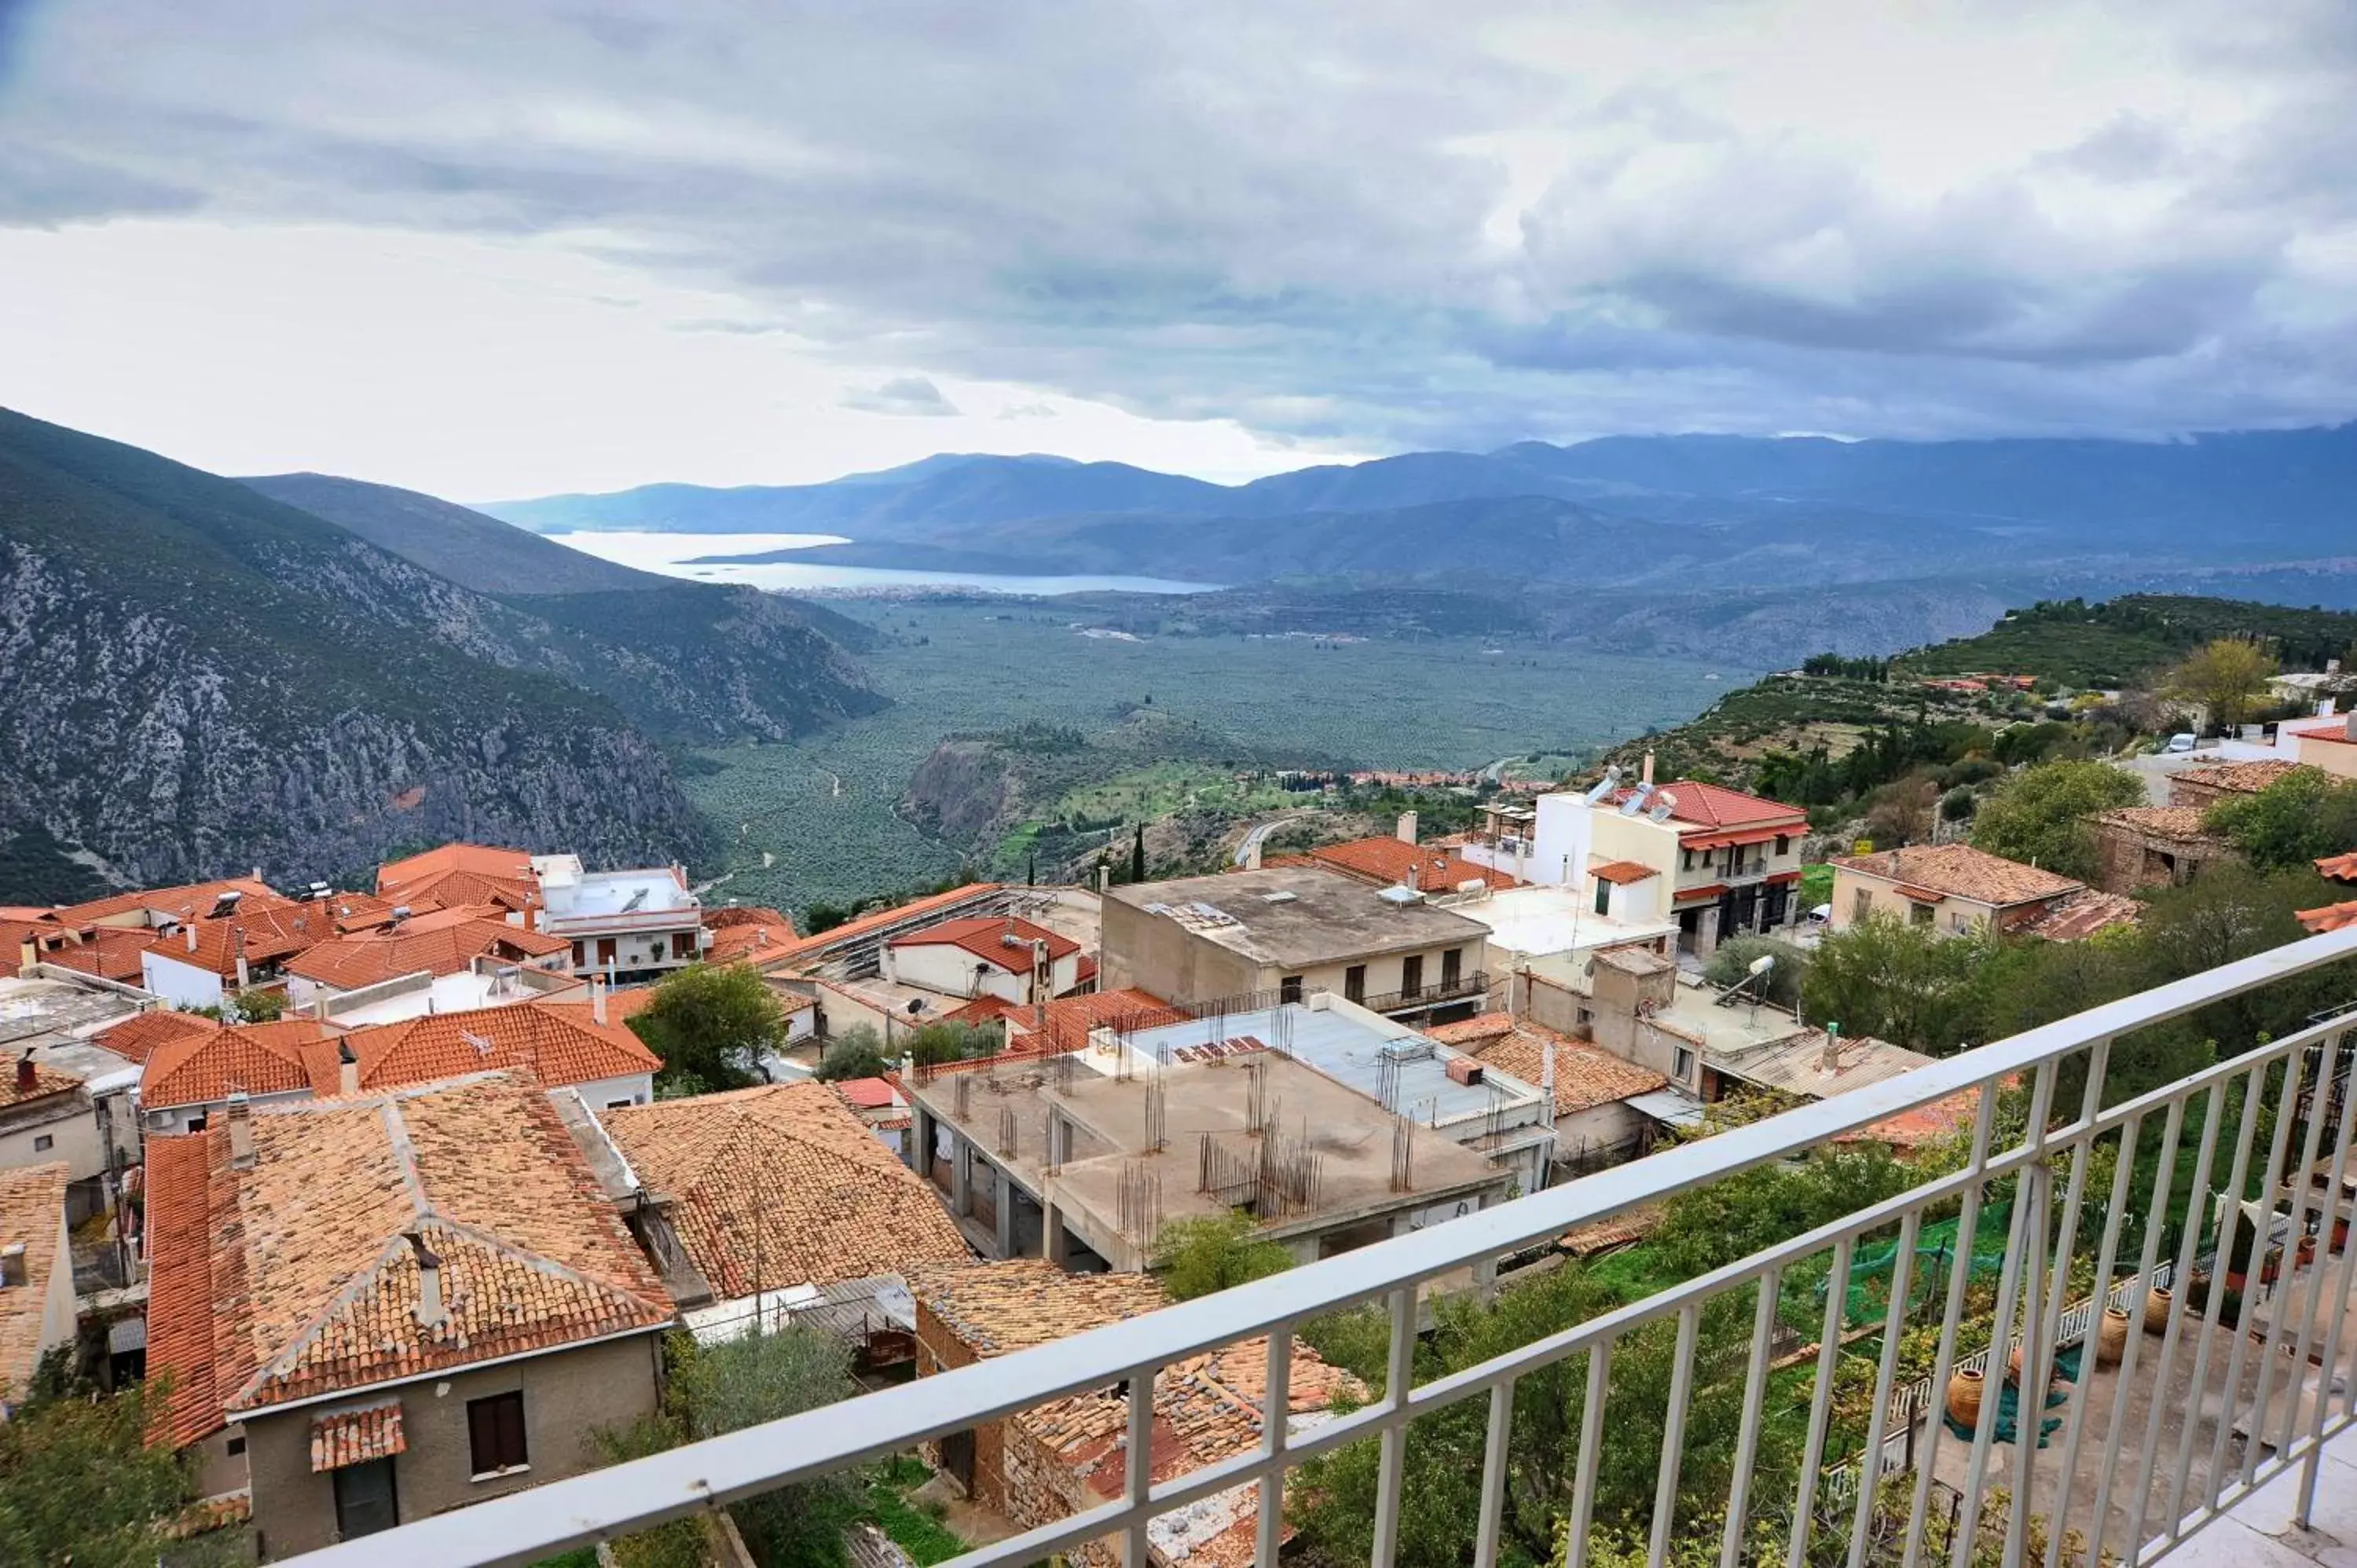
[37,1293]
[1050,1461]
[2199,788]
[2154,846]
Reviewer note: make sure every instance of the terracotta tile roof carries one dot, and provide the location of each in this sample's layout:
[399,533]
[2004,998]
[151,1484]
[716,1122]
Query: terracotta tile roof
[1960,871]
[1689,895]
[866,1093]
[2083,914]
[782,1186]
[996,1308]
[558,1043]
[1926,1124]
[267,935]
[1002,940]
[45,1082]
[985,1009]
[474,859]
[1069,1019]
[2238,777]
[1387,860]
[187,901]
[742,934]
[32,1211]
[137,1038]
[180,1286]
[443,947]
[867,925]
[295,1278]
[1585,1077]
[201,1067]
[2339,867]
[2331,917]
[1207,1409]
[2182,823]
[1716,806]
[1622,871]
[1604,1235]
[109,952]
[356,1436]
[2337,730]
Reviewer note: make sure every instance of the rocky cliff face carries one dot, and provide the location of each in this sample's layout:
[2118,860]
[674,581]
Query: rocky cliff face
[152,757]
[963,792]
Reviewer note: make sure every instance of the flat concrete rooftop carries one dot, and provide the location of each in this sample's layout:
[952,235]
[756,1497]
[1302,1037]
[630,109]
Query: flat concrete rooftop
[1347,1133]
[1297,916]
[1538,920]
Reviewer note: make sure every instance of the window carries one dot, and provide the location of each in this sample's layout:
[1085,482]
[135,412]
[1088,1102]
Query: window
[580,955]
[1861,904]
[1354,983]
[620,1104]
[1783,844]
[195,1123]
[235,1446]
[43,1141]
[1685,860]
[495,1433]
[1452,967]
[606,951]
[682,945]
[1603,896]
[1289,988]
[1920,915]
[1412,975]
[1682,1065]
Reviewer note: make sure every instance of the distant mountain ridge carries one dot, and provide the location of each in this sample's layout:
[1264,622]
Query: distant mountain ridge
[2242,495]
[205,678]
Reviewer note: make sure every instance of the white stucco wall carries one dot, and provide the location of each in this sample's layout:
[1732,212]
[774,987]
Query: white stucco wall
[180,984]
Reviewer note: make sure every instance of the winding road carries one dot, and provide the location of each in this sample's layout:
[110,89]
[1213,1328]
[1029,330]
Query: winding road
[1259,832]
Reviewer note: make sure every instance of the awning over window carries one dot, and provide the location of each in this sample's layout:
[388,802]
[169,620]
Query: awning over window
[356,1436]
[1921,894]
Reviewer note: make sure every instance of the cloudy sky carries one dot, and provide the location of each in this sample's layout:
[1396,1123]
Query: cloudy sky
[495,250]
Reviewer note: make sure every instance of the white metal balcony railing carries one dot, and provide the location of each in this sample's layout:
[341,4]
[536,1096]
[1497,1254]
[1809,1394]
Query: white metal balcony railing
[2120,1479]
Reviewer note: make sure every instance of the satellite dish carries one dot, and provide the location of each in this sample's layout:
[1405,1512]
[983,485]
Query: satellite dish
[1636,800]
[1605,786]
[916,1005]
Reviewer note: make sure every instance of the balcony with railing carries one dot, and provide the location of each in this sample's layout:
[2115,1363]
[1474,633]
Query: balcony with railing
[1836,1396]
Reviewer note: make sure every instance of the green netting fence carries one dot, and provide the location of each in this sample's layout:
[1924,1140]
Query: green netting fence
[1871,1269]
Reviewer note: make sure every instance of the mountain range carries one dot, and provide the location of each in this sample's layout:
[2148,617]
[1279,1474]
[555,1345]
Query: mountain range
[1800,507]
[204,677]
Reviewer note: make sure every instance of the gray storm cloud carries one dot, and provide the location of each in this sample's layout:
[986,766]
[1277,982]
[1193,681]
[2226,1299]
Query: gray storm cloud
[1398,223]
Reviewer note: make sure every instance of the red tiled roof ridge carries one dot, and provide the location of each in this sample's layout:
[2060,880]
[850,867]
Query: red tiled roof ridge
[1389,858]
[849,930]
[981,935]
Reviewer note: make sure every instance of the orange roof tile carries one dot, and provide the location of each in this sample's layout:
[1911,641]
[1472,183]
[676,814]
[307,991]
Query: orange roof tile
[262,936]
[474,859]
[1622,871]
[2339,867]
[1069,1019]
[1702,805]
[32,1212]
[443,947]
[23,1082]
[109,952]
[1960,871]
[739,935]
[1926,1124]
[295,1278]
[356,1436]
[1388,860]
[137,1038]
[2082,914]
[1003,941]
[2182,823]
[782,1186]
[2331,917]
[559,1043]
[1585,1077]
[868,923]
[201,1067]
[187,901]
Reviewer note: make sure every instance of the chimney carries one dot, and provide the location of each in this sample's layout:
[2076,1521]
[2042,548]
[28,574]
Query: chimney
[429,1282]
[192,935]
[28,956]
[244,975]
[12,1266]
[1407,827]
[1832,1060]
[348,1068]
[1413,875]
[1547,1075]
[240,1131]
[257,874]
[597,999]
[24,1076]
[1645,775]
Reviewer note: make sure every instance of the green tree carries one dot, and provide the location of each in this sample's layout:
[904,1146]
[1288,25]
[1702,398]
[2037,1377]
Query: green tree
[1196,1257]
[1137,855]
[78,1481]
[2039,815]
[943,1041]
[2228,677]
[258,1004]
[718,1389]
[1902,983]
[857,1052]
[711,1024]
[2301,818]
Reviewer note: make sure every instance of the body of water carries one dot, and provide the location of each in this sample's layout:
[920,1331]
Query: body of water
[672,554]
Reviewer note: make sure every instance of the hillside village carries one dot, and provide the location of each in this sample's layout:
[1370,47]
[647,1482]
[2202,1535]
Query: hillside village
[375,1202]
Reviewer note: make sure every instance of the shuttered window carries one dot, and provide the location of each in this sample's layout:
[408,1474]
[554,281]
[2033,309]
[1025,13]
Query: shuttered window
[495,1432]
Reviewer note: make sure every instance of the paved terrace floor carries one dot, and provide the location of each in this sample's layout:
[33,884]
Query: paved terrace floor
[2257,1533]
